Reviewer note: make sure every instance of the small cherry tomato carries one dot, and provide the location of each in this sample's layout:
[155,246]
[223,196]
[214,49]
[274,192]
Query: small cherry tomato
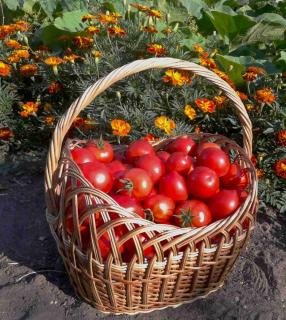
[162,207]
[182,144]
[192,213]
[203,182]
[129,204]
[101,149]
[180,162]
[116,166]
[205,145]
[223,204]
[215,159]
[82,155]
[173,185]
[235,178]
[138,149]
[163,155]
[152,165]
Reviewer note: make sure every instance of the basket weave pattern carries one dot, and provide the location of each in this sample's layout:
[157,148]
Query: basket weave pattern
[189,262]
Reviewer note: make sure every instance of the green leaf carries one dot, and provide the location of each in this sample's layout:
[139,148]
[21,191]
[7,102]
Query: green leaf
[12,4]
[272,18]
[73,5]
[70,21]
[195,39]
[194,7]
[49,7]
[28,5]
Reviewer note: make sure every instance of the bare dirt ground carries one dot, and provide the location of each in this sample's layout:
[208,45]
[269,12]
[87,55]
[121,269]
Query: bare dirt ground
[34,286]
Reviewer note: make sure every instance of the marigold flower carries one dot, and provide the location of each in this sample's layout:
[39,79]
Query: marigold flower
[156,49]
[165,124]
[72,57]
[28,70]
[54,87]
[149,137]
[4,69]
[96,54]
[22,25]
[177,77]
[13,58]
[198,48]
[207,62]
[265,96]
[6,133]
[29,108]
[249,107]
[92,30]
[220,100]
[190,112]
[49,120]
[120,128]
[259,173]
[54,62]
[154,13]
[281,137]
[280,168]
[206,105]
[249,76]
[197,129]
[88,17]
[109,18]
[168,30]
[21,53]
[12,44]
[150,29]
[116,30]
[256,70]
[139,7]
[83,42]
[6,30]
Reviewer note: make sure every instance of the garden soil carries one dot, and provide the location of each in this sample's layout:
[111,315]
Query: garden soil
[34,285]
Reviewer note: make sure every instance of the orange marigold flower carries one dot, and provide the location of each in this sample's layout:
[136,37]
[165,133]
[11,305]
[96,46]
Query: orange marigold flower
[220,100]
[120,127]
[53,61]
[13,58]
[6,30]
[197,129]
[6,133]
[28,70]
[22,25]
[88,17]
[168,30]
[242,95]
[49,120]
[207,62]
[150,137]
[150,29]
[29,108]
[116,30]
[280,168]
[92,30]
[165,124]
[249,76]
[156,49]
[139,7]
[154,13]
[177,77]
[256,70]
[221,74]
[198,48]
[55,87]
[265,96]
[281,137]
[96,54]
[21,53]
[259,173]
[4,69]
[12,44]
[190,112]
[72,57]
[206,105]
[83,42]
[109,18]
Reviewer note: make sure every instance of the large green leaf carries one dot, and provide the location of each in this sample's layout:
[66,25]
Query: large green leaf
[195,39]
[194,7]
[12,4]
[49,6]
[73,5]
[272,18]
[70,21]
[233,66]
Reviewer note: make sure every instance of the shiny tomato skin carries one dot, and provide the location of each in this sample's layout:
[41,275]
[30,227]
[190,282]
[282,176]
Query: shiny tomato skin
[134,182]
[138,149]
[192,213]
[98,175]
[162,207]
[224,203]
[235,178]
[180,162]
[152,165]
[116,166]
[163,155]
[173,185]
[82,155]
[202,182]
[205,145]
[129,204]
[105,246]
[215,159]
[101,149]
[182,144]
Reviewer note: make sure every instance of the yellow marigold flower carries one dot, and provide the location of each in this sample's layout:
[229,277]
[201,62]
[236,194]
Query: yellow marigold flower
[265,96]
[242,95]
[109,18]
[249,76]
[28,70]
[6,133]
[190,112]
[249,107]
[116,30]
[219,100]
[154,13]
[281,137]
[72,57]
[12,44]
[206,105]
[54,87]
[165,124]
[168,30]
[4,69]
[150,29]
[177,77]
[256,70]
[198,48]
[139,7]
[88,17]
[22,53]
[92,30]
[280,168]
[54,62]
[96,54]
[22,25]
[120,127]
[13,58]
[83,42]
[207,62]
[49,120]
[29,108]
[156,49]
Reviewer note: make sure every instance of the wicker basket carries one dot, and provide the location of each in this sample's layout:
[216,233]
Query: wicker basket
[189,262]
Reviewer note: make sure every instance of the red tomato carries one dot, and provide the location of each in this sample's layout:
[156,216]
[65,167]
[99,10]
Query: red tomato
[205,145]
[135,182]
[180,162]
[242,195]
[203,182]
[101,149]
[163,155]
[82,155]
[162,207]
[182,144]
[215,159]
[223,204]
[152,165]
[129,204]
[138,149]
[152,193]
[105,245]
[192,213]
[173,185]
[116,166]
[98,175]
[235,178]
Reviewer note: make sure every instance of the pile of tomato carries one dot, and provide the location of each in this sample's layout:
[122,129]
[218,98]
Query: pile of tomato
[186,184]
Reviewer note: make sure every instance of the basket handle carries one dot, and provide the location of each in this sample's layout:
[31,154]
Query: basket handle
[102,84]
